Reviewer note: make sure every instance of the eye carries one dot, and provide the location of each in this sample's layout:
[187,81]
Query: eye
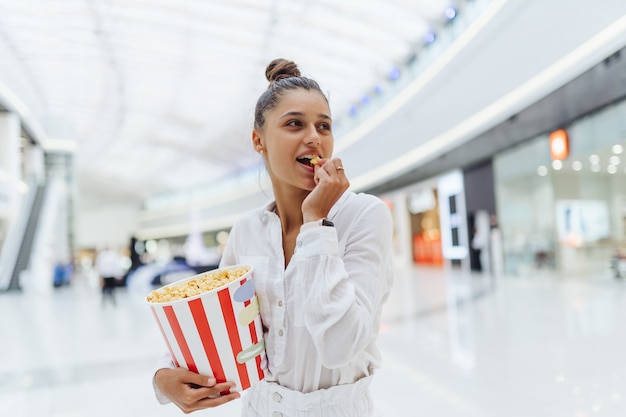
[294,123]
[324,126]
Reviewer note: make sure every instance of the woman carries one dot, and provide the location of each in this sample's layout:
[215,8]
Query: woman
[322,259]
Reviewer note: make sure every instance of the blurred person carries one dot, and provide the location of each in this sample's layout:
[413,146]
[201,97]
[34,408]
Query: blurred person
[323,269]
[135,259]
[109,271]
[480,240]
[495,243]
[618,262]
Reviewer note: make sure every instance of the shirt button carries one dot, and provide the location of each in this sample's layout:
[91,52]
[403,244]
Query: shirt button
[279,303]
[280,332]
[299,243]
[277,397]
[277,414]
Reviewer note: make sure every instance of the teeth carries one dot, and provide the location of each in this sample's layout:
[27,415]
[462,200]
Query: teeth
[311,159]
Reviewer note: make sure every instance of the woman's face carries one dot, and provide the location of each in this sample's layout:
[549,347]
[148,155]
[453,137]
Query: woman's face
[298,128]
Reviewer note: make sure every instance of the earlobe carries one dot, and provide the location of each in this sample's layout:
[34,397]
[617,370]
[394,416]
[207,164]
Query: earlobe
[256,142]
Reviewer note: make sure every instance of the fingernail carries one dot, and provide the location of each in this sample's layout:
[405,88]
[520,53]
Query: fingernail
[211,381]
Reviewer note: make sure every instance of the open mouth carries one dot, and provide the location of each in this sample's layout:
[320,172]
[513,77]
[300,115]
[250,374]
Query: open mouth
[308,160]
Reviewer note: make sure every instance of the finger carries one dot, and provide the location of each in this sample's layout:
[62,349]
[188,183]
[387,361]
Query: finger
[330,166]
[199,380]
[212,393]
[207,403]
[338,165]
[215,402]
[224,387]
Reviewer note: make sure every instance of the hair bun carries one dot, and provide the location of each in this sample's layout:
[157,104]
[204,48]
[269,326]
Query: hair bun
[281,68]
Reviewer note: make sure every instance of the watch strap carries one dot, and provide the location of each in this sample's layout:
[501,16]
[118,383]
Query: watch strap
[316,223]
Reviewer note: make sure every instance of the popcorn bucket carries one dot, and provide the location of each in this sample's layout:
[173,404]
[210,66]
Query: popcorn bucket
[217,332]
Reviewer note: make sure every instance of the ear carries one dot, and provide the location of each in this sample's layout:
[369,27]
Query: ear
[257,142]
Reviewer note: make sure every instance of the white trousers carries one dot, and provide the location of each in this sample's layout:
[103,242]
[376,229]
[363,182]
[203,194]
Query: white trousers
[267,399]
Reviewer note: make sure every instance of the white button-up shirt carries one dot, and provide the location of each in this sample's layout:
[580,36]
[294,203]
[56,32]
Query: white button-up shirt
[321,314]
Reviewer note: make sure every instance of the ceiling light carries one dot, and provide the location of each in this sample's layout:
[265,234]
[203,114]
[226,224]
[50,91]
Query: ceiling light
[557,164]
[614,160]
[617,149]
[611,169]
[595,167]
[542,171]
[594,159]
[450,13]
[429,37]
[394,74]
[577,165]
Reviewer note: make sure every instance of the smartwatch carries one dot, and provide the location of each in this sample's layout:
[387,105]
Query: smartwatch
[316,223]
[326,222]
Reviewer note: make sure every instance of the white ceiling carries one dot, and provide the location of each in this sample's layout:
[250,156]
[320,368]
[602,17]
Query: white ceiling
[158,95]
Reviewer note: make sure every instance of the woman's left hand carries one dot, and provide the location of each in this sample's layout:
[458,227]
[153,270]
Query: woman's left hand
[331,183]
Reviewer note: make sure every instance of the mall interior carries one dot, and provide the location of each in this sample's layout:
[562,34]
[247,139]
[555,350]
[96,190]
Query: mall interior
[493,130]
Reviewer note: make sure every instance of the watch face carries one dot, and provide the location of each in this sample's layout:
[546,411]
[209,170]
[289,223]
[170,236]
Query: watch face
[326,222]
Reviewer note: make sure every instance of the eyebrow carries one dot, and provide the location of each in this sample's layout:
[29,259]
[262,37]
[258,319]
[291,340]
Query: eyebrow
[297,113]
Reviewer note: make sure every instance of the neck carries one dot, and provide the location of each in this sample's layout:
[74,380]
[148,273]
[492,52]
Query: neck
[289,208]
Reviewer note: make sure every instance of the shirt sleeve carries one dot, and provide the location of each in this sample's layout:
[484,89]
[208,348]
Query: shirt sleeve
[164,362]
[339,296]
[228,256]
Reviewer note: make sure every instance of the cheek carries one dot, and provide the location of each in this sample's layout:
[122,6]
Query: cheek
[328,147]
[275,161]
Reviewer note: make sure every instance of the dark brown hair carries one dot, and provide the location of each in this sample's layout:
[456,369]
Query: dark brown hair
[283,75]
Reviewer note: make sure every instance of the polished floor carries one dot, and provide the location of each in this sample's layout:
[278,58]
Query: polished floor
[453,345]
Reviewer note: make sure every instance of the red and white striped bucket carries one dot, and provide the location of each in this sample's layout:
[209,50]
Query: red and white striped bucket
[216,333]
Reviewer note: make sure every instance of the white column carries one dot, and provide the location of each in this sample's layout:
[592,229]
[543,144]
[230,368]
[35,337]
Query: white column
[404,237]
[10,172]
[35,168]
[453,219]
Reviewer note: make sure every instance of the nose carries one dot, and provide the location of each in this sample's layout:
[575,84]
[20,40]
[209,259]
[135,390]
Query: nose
[312,137]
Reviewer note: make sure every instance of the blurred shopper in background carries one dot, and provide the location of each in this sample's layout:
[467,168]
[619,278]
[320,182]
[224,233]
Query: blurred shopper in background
[135,260]
[109,271]
[323,268]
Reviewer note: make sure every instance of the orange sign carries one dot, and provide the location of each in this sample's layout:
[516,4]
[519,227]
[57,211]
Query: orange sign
[559,145]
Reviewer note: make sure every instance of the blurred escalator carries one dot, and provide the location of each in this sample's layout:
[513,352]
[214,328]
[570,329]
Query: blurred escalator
[23,256]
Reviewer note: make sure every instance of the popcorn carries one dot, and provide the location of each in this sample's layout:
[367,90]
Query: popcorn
[190,288]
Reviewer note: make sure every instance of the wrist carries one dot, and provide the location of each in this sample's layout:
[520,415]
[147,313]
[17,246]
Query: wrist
[323,222]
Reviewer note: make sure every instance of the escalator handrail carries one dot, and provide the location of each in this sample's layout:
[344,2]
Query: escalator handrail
[15,234]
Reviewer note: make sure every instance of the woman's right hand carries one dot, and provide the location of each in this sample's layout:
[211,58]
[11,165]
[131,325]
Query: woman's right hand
[331,182]
[192,392]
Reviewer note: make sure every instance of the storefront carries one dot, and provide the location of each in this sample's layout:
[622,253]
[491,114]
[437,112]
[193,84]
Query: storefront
[430,222]
[562,205]
[423,210]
